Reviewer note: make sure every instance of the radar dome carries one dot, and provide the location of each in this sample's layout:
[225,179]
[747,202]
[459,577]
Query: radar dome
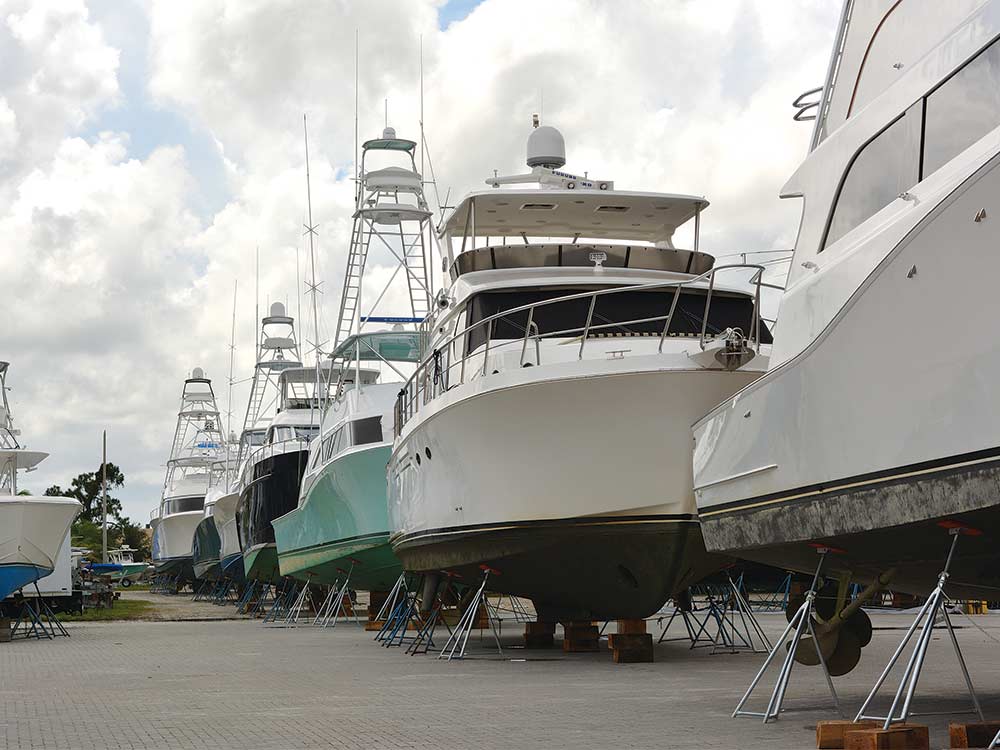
[389,134]
[197,374]
[546,148]
[277,310]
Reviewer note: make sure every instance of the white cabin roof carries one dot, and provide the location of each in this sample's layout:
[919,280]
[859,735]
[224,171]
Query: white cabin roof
[613,214]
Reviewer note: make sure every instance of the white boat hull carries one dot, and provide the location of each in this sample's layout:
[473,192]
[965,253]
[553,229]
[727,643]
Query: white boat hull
[886,424]
[172,540]
[576,487]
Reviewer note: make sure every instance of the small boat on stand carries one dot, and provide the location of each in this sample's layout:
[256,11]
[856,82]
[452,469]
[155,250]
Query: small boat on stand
[198,444]
[121,567]
[32,529]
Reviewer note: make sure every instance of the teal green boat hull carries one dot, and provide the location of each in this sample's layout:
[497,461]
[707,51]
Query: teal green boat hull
[342,524]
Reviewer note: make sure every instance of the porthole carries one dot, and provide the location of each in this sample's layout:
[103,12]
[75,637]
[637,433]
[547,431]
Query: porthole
[418,459]
[427,452]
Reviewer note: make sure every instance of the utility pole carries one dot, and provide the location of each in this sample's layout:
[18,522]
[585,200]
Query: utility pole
[104,498]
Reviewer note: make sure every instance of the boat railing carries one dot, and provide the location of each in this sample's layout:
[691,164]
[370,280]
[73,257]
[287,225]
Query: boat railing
[452,356]
[268,450]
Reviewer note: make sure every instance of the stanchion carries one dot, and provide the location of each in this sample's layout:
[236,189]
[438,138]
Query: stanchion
[800,623]
[926,620]
[459,637]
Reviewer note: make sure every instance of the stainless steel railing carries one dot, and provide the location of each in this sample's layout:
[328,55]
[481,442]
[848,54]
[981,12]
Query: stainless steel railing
[434,374]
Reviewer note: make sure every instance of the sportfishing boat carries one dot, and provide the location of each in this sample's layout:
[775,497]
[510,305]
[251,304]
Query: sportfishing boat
[224,498]
[32,529]
[198,444]
[341,525]
[546,432]
[270,474]
[206,546]
[876,421]
[341,528]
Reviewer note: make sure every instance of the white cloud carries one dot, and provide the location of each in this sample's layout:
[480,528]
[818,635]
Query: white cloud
[120,286]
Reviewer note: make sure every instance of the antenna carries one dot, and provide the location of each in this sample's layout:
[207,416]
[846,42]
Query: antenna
[256,304]
[421,105]
[387,112]
[313,286]
[229,405]
[423,147]
[357,88]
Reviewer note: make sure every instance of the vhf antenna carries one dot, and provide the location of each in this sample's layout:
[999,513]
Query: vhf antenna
[313,286]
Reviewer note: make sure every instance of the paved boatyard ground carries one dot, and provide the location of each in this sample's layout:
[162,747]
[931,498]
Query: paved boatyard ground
[242,684]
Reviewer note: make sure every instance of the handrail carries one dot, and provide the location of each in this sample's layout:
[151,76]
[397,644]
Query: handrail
[259,452]
[416,388]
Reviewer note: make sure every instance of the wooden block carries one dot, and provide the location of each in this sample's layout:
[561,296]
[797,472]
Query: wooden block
[539,634]
[896,737]
[631,648]
[973,735]
[631,626]
[580,638]
[830,734]
[374,625]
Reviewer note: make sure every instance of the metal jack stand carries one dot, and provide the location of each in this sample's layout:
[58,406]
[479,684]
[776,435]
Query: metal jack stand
[683,607]
[334,607]
[393,632]
[459,638]
[800,623]
[296,610]
[424,640]
[739,629]
[927,615]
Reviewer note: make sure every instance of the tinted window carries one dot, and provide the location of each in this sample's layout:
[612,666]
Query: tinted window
[327,447]
[886,167]
[612,313]
[367,430]
[963,109]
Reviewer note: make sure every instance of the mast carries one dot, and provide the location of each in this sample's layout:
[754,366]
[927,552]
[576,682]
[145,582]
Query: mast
[313,288]
[229,403]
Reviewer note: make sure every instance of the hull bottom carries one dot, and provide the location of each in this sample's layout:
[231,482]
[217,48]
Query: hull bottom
[232,567]
[878,522]
[375,567]
[182,567]
[260,563]
[573,569]
[17,575]
[208,570]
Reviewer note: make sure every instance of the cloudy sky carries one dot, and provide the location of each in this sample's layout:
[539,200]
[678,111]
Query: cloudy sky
[147,149]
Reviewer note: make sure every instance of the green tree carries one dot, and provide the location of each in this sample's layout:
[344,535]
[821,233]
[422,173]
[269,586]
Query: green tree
[86,488]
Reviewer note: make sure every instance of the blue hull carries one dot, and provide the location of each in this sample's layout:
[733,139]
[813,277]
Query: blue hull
[16,575]
[232,567]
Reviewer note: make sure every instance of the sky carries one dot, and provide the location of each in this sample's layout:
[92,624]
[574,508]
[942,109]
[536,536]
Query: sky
[147,150]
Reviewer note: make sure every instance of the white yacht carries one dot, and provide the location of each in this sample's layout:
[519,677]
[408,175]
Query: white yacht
[878,418]
[32,529]
[198,444]
[225,497]
[546,432]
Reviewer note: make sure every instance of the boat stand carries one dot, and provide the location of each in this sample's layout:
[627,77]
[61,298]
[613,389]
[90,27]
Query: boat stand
[390,601]
[911,674]
[298,606]
[424,640]
[35,619]
[739,629]
[800,623]
[283,601]
[393,632]
[202,591]
[683,607]
[244,603]
[334,607]
[454,647]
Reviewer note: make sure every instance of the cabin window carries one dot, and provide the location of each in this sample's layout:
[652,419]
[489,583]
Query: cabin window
[887,166]
[367,430]
[327,447]
[962,109]
[612,314]
[340,440]
[315,456]
[185,504]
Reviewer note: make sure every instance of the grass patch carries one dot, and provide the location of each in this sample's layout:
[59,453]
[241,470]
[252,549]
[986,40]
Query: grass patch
[124,609]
